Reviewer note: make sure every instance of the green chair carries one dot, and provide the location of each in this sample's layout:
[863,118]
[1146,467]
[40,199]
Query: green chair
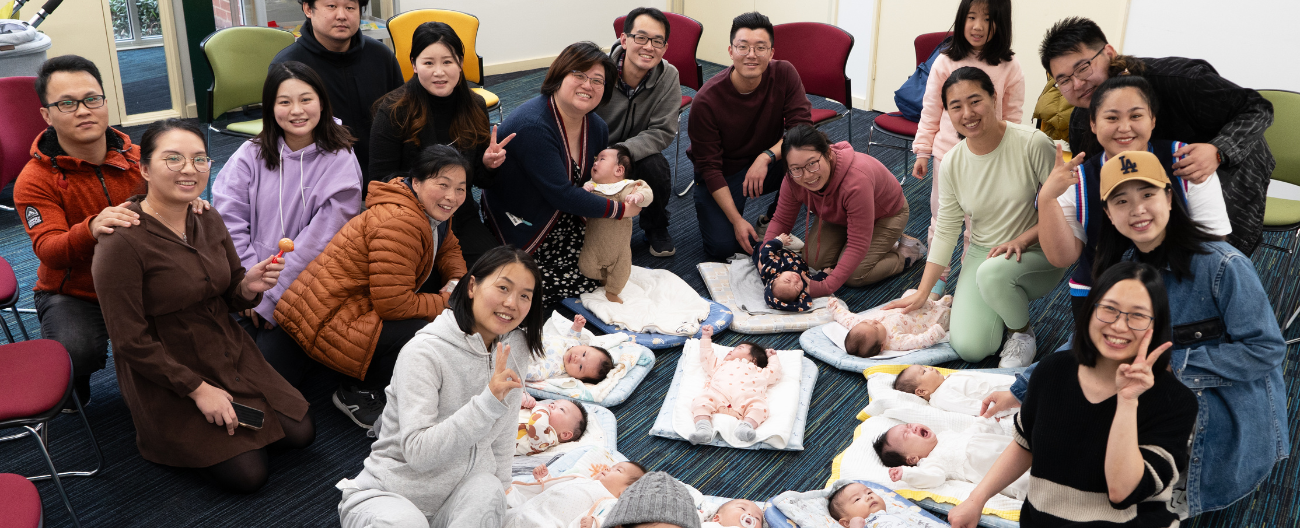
[239,57]
[1280,214]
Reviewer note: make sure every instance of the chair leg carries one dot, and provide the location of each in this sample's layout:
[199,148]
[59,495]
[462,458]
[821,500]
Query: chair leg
[58,484]
[99,454]
[21,327]
[8,335]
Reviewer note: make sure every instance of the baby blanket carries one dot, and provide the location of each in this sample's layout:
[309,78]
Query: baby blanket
[782,398]
[653,301]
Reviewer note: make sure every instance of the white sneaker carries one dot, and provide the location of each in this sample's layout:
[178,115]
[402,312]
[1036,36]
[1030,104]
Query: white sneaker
[1019,350]
[912,250]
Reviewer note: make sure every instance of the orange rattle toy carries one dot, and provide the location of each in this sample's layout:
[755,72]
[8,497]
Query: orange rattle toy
[286,245]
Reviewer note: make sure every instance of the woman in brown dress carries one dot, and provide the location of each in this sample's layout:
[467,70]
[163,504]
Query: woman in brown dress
[167,289]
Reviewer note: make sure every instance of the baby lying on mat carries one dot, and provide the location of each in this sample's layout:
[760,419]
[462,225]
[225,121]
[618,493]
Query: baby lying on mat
[923,459]
[549,425]
[858,506]
[568,355]
[785,276]
[737,386]
[568,499]
[959,392]
[738,513]
[876,330]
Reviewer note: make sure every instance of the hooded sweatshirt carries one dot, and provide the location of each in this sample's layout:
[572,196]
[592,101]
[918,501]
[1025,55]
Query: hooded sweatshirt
[645,123]
[354,79]
[307,198]
[441,423]
[57,196]
[859,192]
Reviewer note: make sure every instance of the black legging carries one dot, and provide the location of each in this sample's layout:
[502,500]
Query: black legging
[393,335]
[247,472]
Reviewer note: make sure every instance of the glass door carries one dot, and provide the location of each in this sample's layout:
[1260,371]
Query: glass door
[141,57]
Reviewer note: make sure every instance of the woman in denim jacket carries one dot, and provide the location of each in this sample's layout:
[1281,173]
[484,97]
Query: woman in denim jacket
[1227,345]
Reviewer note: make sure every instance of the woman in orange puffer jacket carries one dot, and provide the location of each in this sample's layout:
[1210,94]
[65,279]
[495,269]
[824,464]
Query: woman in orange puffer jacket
[380,280]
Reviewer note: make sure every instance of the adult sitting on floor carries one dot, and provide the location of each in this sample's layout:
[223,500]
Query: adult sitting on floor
[1224,122]
[736,125]
[860,208]
[1227,344]
[1106,420]
[538,203]
[992,176]
[298,180]
[436,107]
[381,279]
[168,287]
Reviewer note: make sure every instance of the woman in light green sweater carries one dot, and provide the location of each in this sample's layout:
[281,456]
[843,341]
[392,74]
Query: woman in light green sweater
[993,176]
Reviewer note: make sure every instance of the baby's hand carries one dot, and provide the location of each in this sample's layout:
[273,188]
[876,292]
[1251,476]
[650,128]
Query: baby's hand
[588,522]
[579,322]
[529,401]
[541,472]
[771,352]
[784,238]
[706,331]
[857,522]
[895,474]
[588,186]
[633,199]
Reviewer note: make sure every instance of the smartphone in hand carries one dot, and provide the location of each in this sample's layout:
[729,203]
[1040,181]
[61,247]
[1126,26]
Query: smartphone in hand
[248,416]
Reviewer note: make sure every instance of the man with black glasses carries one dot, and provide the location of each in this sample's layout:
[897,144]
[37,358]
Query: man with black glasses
[69,195]
[1224,123]
[642,114]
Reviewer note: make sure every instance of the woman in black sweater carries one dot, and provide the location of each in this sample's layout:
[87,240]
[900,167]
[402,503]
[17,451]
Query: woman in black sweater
[436,107]
[1105,427]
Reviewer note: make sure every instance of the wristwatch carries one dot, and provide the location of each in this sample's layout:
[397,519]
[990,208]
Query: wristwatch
[770,154]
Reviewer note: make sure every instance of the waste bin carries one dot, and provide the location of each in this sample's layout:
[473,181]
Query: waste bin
[22,49]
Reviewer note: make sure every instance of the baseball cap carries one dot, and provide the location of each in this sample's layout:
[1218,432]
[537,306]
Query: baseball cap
[1128,166]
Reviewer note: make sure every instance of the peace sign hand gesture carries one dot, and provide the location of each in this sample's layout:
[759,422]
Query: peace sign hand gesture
[504,379]
[1062,177]
[495,154]
[1133,379]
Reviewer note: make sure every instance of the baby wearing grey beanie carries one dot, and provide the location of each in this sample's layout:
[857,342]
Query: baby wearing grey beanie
[656,497]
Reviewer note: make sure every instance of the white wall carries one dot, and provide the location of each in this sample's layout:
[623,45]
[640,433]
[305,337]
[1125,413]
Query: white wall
[1248,41]
[858,18]
[515,35]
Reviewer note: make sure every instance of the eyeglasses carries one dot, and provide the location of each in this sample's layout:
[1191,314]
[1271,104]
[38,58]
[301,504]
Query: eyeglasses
[809,170]
[583,78]
[743,49]
[177,162]
[69,106]
[1136,321]
[1066,84]
[657,42]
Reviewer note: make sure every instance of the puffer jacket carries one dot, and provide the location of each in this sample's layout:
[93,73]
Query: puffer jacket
[57,196]
[369,273]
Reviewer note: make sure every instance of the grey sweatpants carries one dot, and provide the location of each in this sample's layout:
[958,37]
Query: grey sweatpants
[478,501]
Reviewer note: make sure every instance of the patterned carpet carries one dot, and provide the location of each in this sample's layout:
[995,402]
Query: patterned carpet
[132,492]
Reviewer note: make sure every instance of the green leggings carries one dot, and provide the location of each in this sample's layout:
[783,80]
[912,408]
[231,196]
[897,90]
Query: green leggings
[993,294]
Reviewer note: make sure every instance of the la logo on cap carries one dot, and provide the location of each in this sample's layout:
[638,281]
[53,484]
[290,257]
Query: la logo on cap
[1127,166]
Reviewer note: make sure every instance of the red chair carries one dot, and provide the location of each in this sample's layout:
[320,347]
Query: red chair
[820,53]
[893,124]
[35,384]
[20,504]
[20,123]
[9,298]
[683,43]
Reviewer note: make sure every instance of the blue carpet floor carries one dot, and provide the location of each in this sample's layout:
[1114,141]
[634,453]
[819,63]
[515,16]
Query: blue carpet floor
[132,492]
[144,80]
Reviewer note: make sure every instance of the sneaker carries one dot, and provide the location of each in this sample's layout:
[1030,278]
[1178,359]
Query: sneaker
[912,250]
[661,243]
[80,391]
[363,406]
[760,228]
[1019,350]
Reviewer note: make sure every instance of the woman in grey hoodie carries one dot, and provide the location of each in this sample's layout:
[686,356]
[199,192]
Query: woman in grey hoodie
[445,439]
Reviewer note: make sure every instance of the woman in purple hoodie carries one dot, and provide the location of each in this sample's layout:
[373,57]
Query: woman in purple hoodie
[860,209]
[299,179]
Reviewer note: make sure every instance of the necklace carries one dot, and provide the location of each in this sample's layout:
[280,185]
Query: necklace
[180,232]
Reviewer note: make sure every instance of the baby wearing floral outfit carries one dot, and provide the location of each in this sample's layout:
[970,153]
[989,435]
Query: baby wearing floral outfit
[737,386]
[876,330]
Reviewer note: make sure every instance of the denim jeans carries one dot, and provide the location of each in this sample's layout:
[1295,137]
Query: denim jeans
[716,234]
[78,325]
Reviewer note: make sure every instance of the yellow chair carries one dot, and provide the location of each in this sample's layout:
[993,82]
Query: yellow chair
[401,27]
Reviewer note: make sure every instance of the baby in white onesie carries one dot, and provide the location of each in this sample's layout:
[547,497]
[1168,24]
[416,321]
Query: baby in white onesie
[566,500]
[923,459]
[959,392]
[569,355]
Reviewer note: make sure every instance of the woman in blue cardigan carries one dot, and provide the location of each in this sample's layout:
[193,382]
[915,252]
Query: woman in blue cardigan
[537,203]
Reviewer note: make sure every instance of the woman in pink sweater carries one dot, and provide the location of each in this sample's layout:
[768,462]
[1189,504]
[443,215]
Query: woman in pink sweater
[982,39]
[860,208]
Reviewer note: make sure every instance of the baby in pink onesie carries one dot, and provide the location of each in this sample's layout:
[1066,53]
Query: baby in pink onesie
[737,386]
[876,330]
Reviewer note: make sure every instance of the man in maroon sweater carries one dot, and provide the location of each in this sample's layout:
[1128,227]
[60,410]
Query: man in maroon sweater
[736,125]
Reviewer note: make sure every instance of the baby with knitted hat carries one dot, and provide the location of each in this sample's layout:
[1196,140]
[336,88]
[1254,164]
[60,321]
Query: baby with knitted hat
[655,498]
[607,249]
[785,275]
